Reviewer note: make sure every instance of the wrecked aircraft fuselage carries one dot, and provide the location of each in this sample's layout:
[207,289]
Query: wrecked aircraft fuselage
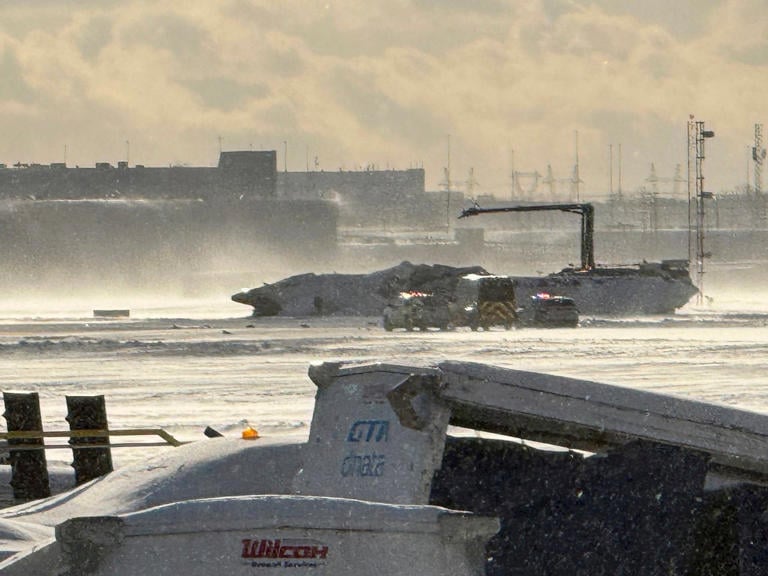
[351,294]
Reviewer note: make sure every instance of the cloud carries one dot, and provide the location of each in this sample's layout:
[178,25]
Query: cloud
[13,86]
[95,34]
[683,19]
[225,93]
[385,82]
[185,41]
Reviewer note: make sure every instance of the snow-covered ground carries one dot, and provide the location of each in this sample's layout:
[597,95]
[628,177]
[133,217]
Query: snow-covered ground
[184,368]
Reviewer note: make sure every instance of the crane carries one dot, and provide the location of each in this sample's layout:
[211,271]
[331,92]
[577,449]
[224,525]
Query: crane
[586,210]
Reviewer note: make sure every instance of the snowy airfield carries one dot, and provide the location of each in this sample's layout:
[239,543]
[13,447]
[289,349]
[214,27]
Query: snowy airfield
[207,363]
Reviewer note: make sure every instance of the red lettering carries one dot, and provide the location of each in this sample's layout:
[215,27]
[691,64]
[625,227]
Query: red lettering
[276,549]
[247,549]
[319,551]
[271,549]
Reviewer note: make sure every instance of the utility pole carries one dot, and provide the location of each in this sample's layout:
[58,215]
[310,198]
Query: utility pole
[576,175]
[513,175]
[448,166]
[610,171]
[471,182]
[446,183]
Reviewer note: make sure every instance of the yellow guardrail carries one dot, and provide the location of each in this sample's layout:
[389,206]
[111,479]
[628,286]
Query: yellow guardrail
[168,440]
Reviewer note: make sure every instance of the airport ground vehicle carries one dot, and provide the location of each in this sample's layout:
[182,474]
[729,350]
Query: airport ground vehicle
[477,301]
[547,311]
[417,310]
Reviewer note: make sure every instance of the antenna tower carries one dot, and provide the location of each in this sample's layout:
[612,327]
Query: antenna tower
[513,187]
[446,183]
[610,171]
[526,192]
[651,199]
[576,176]
[697,135]
[520,191]
[677,179]
[653,179]
[758,156]
[471,183]
[550,181]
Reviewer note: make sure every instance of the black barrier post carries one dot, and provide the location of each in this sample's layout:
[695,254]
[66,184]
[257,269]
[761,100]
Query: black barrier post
[211,433]
[88,413]
[29,470]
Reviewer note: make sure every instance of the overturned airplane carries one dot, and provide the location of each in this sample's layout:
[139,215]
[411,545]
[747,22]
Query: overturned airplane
[351,294]
[644,289]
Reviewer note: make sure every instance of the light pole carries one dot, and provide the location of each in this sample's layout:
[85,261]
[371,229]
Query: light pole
[697,135]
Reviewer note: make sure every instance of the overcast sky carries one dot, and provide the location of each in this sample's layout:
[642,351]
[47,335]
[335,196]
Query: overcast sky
[393,83]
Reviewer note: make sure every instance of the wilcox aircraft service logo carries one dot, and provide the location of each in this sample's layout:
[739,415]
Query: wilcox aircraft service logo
[285,553]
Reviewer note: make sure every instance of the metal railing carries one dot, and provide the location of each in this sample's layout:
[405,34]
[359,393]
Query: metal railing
[167,439]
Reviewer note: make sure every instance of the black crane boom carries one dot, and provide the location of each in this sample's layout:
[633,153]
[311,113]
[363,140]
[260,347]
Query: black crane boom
[586,210]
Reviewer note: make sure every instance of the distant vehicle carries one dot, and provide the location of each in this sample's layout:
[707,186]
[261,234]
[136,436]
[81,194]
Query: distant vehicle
[487,301]
[547,311]
[478,301]
[418,310]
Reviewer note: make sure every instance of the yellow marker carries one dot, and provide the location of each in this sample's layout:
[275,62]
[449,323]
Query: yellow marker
[250,434]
